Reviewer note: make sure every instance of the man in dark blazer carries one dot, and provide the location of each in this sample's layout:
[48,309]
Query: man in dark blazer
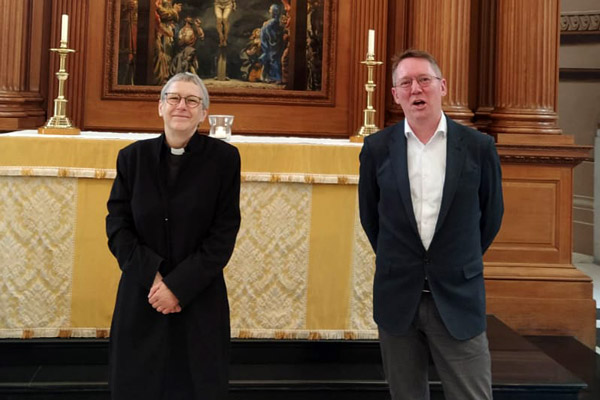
[431,204]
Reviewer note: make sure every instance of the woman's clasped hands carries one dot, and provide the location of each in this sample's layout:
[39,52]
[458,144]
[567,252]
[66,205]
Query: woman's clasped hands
[161,298]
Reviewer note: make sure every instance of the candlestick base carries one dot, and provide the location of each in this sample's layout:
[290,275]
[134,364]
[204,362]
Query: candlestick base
[46,130]
[363,132]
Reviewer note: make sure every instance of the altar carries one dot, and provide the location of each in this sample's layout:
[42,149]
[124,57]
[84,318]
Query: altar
[302,267]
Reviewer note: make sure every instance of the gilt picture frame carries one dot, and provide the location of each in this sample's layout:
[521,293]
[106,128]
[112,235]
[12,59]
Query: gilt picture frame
[258,51]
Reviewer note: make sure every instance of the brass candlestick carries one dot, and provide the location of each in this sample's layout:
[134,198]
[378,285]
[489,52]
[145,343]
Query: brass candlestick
[59,124]
[368,126]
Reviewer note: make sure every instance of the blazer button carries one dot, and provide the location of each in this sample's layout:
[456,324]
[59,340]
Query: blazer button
[426,260]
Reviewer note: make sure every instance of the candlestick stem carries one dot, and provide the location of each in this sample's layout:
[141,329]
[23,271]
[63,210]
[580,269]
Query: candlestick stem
[368,126]
[59,123]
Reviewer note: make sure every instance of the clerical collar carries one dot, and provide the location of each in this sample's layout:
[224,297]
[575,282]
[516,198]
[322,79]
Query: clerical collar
[177,152]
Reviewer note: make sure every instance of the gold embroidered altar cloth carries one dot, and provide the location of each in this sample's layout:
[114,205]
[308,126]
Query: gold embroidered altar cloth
[302,267]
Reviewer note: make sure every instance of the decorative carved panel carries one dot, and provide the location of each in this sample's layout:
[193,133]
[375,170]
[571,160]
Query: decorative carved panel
[580,22]
[530,214]
[537,200]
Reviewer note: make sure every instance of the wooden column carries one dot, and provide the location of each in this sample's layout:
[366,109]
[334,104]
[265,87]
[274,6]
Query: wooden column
[526,68]
[397,37]
[442,27]
[23,58]
[532,284]
[486,51]
[74,86]
[367,14]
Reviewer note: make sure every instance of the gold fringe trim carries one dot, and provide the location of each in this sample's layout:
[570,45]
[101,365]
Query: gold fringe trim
[300,178]
[322,334]
[65,333]
[99,173]
[27,334]
[59,172]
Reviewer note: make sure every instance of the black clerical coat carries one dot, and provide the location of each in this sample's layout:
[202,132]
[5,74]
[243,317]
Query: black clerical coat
[186,231]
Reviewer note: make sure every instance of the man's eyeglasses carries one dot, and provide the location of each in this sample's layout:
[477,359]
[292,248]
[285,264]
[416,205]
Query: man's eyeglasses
[190,101]
[422,80]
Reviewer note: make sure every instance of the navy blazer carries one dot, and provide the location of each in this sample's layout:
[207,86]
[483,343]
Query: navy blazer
[469,219]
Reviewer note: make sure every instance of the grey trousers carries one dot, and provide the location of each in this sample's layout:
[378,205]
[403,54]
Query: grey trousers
[464,366]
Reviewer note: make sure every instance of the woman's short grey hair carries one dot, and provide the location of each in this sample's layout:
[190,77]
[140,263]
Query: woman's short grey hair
[187,77]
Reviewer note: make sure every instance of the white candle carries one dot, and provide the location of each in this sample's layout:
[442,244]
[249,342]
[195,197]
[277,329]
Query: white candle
[220,132]
[371,47]
[64,28]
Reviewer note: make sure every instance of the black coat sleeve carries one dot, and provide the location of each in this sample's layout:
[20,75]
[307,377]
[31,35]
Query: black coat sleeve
[192,275]
[133,257]
[490,196]
[368,195]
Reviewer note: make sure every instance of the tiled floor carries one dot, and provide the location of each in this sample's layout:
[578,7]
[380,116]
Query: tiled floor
[586,264]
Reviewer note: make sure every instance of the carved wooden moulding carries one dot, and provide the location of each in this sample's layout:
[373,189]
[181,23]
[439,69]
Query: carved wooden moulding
[580,22]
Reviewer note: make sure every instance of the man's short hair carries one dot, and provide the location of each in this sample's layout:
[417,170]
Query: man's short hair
[412,53]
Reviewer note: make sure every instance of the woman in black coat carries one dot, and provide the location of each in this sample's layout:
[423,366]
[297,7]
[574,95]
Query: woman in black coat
[173,216]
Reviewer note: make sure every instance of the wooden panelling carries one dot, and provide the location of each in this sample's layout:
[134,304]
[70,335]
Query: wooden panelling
[530,214]
[536,224]
[544,316]
[555,283]
[21,64]
[531,284]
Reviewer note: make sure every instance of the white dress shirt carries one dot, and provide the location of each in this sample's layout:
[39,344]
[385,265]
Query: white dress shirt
[426,173]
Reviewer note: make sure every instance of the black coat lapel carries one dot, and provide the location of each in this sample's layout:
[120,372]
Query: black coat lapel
[398,160]
[455,157]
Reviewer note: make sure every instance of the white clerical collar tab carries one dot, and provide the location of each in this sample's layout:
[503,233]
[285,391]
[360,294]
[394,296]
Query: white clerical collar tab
[177,152]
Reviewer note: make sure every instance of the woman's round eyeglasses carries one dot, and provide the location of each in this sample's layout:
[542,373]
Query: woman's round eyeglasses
[175,98]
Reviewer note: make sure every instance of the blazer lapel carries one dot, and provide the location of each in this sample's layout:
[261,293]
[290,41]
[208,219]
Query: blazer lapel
[455,157]
[397,156]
